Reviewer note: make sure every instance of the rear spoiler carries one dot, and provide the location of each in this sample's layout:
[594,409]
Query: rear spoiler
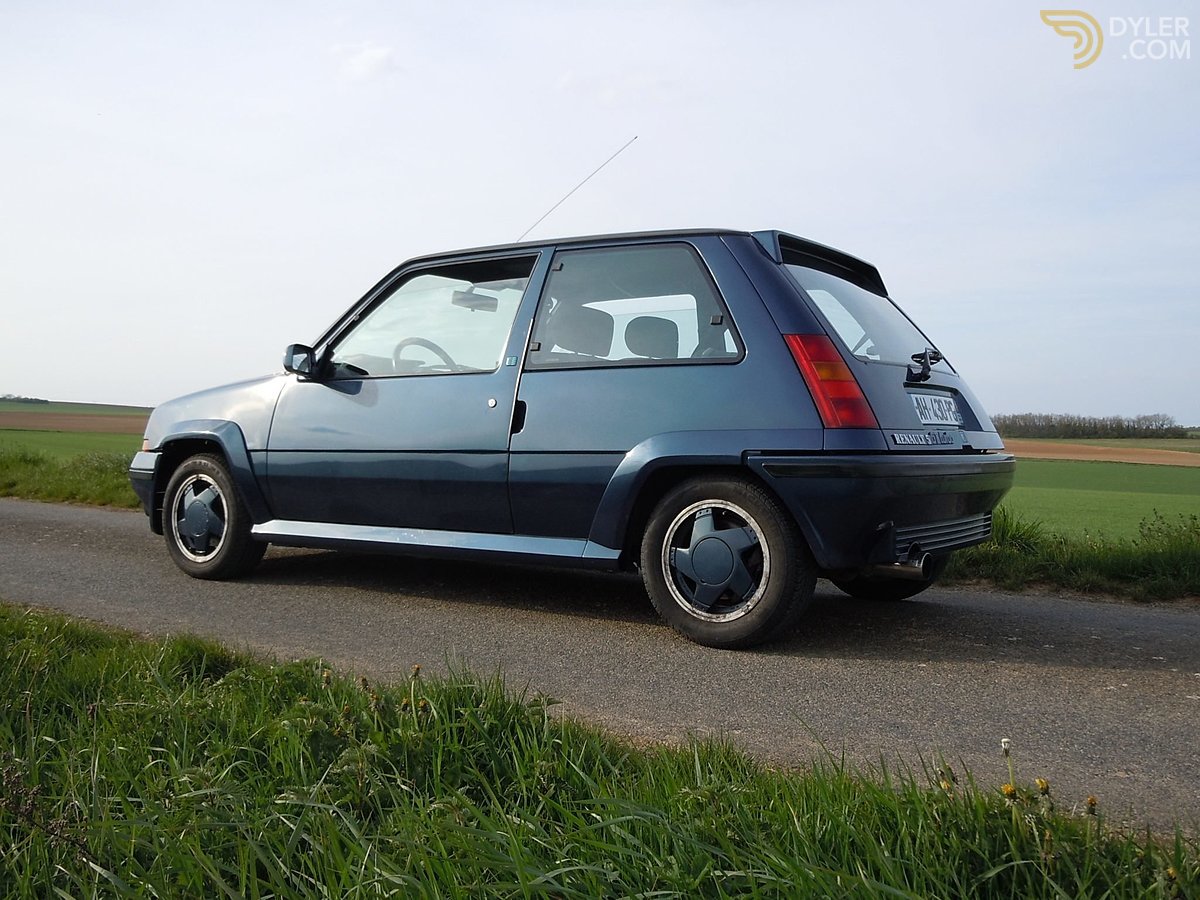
[787,248]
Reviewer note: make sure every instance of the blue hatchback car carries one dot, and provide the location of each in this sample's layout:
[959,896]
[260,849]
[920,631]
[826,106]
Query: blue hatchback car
[732,414]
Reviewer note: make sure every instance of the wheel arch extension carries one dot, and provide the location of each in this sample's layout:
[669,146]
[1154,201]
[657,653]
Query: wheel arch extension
[658,464]
[217,437]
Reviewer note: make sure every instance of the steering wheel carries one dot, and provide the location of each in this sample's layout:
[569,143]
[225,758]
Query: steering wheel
[428,345]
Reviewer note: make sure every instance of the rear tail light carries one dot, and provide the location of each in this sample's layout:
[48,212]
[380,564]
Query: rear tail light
[834,389]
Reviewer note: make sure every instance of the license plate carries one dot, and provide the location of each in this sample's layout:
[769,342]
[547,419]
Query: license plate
[936,409]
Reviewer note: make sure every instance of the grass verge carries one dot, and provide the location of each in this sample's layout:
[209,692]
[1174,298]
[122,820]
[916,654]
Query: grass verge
[101,479]
[176,768]
[1161,563]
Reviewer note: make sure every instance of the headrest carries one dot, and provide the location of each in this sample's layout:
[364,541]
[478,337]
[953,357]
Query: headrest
[654,337]
[581,329]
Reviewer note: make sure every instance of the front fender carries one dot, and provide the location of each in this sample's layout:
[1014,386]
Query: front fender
[693,449]
[229,438]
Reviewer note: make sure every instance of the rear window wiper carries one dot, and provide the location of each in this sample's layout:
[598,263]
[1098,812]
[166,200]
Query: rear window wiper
[926,358]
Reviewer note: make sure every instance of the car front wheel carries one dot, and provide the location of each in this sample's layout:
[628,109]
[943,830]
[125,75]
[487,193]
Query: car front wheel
[205,522]
[725,564]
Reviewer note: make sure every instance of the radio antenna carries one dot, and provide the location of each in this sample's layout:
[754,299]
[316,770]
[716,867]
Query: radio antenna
[577,187]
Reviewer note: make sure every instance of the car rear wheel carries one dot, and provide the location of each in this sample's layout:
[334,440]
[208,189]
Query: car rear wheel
[725,564]
[205,522]
[871,587]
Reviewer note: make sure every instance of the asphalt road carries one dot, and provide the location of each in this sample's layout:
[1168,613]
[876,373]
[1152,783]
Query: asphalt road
[1100,698]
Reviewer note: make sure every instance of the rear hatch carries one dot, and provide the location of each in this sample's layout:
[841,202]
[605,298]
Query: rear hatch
[919,400]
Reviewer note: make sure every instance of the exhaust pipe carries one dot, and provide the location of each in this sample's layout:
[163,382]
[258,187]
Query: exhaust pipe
[915,568]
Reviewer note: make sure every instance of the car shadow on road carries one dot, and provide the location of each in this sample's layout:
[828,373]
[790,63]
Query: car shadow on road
[592,595]
[958,626]
[940,625]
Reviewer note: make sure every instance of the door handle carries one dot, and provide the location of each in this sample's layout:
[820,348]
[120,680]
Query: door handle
[518,419]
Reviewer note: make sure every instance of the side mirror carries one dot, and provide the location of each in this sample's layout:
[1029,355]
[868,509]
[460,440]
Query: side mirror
[300,360]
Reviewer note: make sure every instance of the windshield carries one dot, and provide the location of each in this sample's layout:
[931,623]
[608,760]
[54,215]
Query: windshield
[454,318]
[871,327]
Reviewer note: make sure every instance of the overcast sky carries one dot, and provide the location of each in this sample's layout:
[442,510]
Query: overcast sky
[187,188]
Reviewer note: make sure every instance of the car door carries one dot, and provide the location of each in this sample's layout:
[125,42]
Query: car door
[407,423]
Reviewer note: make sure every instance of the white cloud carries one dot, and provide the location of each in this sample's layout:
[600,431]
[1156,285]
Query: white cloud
[363,61]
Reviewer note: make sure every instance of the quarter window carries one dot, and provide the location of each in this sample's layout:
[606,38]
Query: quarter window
[449,319]
[644,305]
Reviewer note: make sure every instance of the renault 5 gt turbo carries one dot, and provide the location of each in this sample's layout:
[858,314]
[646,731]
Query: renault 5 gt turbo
[731,414]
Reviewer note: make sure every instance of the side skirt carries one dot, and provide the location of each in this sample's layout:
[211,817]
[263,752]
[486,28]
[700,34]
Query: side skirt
[429,542]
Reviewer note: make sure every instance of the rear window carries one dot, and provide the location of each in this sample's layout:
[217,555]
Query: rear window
[871,327]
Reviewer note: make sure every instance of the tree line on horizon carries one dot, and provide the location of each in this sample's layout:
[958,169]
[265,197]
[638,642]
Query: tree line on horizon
[1065,425]
[19,399]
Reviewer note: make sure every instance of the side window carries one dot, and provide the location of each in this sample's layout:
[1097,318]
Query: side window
[652,304]
[447,319]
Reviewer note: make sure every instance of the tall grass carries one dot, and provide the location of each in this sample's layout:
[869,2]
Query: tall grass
[101,479]
[1162,562]
[176,768]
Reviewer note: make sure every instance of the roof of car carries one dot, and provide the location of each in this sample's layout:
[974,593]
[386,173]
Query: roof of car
[615,237]
[777,244]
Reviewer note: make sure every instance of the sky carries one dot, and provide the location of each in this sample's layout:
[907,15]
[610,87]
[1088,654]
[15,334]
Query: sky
[188,188]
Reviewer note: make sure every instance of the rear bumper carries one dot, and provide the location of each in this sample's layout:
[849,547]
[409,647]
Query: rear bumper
[861,510]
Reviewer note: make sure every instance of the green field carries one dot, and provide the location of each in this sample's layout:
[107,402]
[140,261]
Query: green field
[68,444]
[1102,498]
[73,409]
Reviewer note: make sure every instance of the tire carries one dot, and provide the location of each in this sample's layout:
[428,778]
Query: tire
[870,587]
[725,565]
[205,522]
